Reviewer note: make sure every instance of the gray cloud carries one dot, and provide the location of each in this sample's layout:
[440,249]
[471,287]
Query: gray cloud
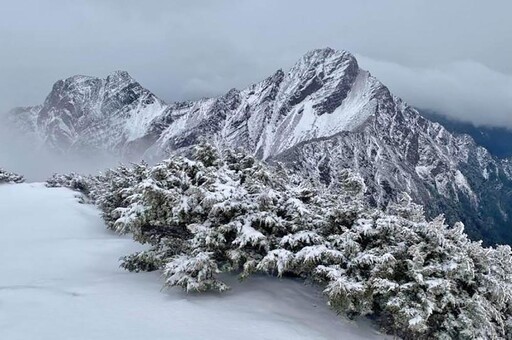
[464,90]
[450,56]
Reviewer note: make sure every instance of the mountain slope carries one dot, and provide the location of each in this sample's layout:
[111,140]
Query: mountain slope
[323,115]
[323,94]
[401,151]
[498,141]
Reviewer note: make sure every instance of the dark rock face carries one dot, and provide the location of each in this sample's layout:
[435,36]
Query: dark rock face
[323,115]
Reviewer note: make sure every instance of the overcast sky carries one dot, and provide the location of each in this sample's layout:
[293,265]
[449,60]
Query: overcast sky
[452,56]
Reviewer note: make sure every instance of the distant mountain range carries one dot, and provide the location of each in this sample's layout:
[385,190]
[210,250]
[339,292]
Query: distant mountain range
[497,140]
[321,116]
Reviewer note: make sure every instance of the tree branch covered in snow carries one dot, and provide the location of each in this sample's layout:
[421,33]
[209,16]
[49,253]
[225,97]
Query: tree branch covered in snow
[225,211]
[9,177]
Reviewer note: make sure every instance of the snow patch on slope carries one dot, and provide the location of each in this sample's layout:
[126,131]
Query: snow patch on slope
[462,184]
[137,125]
[352,112]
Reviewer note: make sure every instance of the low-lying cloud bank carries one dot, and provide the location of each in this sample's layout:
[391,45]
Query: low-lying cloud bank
[21,154]
[464,90]
[453,58]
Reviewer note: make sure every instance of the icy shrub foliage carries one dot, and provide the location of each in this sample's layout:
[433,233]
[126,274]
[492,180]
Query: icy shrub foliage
[221,212]
[9,177]
[72,181]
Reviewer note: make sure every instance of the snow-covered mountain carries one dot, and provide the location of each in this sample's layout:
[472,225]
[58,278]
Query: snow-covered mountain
[324,93]
[83,113]
[401,151]
[323,115]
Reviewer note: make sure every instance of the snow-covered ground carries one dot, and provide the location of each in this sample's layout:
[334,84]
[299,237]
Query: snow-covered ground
[59,279]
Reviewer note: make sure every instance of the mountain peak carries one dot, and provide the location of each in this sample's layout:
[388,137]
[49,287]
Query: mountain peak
[322,77]
[325,64]
[327,55]
[79,78]
[113,77]
[120,73]
[324,51]
[119,76]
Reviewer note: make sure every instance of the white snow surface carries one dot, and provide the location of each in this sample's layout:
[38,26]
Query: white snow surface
[60,279]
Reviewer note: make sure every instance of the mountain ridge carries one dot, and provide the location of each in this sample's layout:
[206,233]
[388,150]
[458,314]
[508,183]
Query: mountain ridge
[323,115]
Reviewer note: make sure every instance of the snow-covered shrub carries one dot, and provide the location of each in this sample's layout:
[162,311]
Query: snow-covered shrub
[109,191]
[72,180]
[225,211]
[9,177]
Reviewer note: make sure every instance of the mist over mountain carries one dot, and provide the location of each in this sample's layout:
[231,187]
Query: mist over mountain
[21,151]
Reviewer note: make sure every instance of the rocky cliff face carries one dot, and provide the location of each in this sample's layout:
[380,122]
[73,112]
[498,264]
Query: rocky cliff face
[323,115]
